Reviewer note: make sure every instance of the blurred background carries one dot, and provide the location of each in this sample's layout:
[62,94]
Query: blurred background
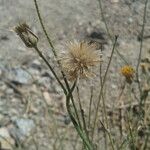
[28,90]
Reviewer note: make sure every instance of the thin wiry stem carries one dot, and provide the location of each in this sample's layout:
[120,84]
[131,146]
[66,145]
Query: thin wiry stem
[108,32]
[108,132]
[83,117]
[72,98]
[62,86]
[101,82]
[35,143]
[76,111]
[55,54]
[50,67]
[131,133]
[83,136]
[90,107]
[141,46]
[49,111]
[146,142]
[9,143]
[100,95]
[43,27]
[82,112]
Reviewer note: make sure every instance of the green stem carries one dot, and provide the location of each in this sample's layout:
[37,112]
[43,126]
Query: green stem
[90,108]
[131,133]
[78,129]
[108,32]
[101,93]
[82,112]
[50,67]
[62,86]
[141,46]
[73,102]
[103,118]
[54,52]
[43,27]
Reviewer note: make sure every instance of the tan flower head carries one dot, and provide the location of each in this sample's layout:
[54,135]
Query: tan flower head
[23,27]
[27,36]
[128,72]
[78,60]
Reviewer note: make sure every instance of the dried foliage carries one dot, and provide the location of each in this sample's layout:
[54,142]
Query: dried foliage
[78,60]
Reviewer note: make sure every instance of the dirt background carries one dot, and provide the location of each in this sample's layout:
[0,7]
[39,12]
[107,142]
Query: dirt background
[24,79]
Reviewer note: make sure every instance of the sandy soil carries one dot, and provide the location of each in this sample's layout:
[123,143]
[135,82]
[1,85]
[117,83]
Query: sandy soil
[65,20]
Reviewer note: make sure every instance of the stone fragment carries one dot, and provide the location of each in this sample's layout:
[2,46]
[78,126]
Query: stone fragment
[5,139]
[47,97]
[21,129]
[19,75]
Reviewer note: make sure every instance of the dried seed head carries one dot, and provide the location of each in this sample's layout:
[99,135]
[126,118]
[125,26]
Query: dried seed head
[27,36]
[128,72]
[145,65]
[79,59]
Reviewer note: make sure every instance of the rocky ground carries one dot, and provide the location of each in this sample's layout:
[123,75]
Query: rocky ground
[30,98]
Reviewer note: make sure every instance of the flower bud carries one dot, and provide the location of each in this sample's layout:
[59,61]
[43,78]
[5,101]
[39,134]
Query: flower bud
[128,72]
[26,35]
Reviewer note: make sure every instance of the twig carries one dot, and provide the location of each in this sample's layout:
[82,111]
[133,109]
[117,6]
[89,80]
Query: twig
[43,27]
[126,106]
[131,133]
[141,46]
[103,118]
[108,32]
[83,136]
[50,67]
[100,95]
[90,107]
[55,54]
[82,112]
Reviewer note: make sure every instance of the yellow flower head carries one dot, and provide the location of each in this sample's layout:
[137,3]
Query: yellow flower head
[128,72]
[78,60]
